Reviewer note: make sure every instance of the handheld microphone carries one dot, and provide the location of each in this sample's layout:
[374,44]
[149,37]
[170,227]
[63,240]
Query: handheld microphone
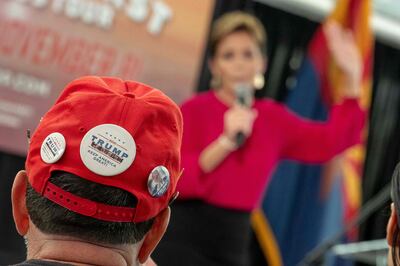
[244,97]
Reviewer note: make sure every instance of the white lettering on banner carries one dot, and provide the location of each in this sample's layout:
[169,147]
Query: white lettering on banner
[137,10]
[16,108]
[161,14]
[10,120]
[24,83]
[102,14]
[57,6]
[117,3]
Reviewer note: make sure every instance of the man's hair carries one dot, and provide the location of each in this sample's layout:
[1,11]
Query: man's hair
[51,218]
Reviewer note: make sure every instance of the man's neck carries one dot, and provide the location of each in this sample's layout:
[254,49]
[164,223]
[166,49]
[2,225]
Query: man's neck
[81,253]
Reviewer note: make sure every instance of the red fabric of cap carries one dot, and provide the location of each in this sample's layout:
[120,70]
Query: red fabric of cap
[151,118]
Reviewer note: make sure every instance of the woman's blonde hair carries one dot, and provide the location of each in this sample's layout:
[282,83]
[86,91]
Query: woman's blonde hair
[234,22]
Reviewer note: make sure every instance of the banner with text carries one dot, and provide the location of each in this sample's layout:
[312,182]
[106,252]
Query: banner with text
[45,44]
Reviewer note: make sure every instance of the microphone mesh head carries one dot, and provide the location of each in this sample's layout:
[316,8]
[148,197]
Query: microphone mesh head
[244,94]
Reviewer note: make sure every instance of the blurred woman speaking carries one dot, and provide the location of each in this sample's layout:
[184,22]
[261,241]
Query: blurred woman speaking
[231,145]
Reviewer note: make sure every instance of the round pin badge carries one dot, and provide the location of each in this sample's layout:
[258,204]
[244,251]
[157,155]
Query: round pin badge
[158,181]
[108,149]
[53,148]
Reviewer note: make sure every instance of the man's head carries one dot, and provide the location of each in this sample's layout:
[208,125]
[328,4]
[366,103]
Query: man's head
[91,163]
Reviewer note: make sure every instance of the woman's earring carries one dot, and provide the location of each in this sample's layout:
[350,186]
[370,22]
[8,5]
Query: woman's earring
[216,82]
[258,81]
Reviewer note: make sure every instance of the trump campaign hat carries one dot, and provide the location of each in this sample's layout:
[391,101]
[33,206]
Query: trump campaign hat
[117,133]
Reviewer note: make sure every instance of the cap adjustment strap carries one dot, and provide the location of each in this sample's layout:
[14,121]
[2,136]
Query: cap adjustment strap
[87,207]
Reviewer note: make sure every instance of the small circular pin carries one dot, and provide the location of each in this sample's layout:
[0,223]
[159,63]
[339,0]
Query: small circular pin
[108,150]
[158,181]
[53,148]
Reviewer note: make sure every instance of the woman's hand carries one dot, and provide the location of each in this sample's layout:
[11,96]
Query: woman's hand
[238,119]
[346,54]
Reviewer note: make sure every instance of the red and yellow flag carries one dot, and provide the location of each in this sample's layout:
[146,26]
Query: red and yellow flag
[354,15]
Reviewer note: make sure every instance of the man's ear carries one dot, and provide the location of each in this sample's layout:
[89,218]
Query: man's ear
[391,226]
[18,199]
[154,235]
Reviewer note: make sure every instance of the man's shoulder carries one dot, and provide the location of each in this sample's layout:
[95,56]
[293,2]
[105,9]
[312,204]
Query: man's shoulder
[41,263]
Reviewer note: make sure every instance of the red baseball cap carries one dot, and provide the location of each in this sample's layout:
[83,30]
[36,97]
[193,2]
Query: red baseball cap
[117,133]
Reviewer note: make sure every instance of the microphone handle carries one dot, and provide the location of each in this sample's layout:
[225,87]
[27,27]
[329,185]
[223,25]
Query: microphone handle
[240,138]
[241,100]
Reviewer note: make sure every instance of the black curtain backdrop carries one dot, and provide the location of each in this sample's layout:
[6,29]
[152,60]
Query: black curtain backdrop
[12,248]
[288,36]
[383,151]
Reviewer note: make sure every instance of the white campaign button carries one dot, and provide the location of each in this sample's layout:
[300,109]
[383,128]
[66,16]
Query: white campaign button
[53,148]
[108,149]
[158,181]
